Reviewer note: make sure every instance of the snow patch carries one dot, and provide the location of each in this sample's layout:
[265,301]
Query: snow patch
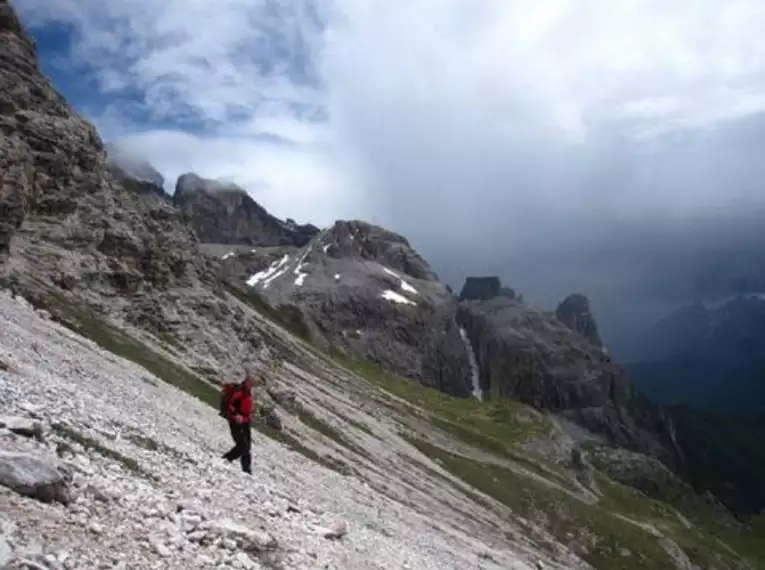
[228,255]
[337,277]
[326,247]
[267,276]
[405,286]
[299,275]
[394,297]
[475,376]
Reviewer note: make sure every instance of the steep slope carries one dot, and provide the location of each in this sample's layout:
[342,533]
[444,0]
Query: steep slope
[422,480]
[414,478]
[226,214]
[365,291]
[93,249]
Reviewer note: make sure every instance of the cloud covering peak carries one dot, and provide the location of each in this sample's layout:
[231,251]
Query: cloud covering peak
[552,142]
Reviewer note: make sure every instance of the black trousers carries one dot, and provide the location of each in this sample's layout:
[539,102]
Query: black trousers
[242,444]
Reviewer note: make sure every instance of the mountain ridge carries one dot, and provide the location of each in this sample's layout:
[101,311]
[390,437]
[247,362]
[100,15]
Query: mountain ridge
[142,299]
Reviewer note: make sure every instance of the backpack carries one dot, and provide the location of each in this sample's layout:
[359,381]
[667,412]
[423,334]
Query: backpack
[227,390]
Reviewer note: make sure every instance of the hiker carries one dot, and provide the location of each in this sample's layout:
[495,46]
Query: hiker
[237,404]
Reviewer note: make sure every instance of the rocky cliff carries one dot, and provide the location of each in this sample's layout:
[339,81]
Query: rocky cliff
[484,288]
[226,214]
[365,291]
[531,355]
[418,478]
[97,251]
[574,312]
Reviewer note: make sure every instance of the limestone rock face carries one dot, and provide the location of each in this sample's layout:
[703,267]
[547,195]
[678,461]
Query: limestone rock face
[226,214]
[365,291]
[484,288]
[529,354]
[47,155]
[574,312]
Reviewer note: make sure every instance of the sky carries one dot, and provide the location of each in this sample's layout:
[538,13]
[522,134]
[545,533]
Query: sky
[611,148]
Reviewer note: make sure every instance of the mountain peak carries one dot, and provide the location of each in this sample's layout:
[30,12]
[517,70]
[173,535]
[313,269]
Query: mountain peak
[574,312]
[191,183]
[484,289]
[132,170]
[224,213]
[354,238]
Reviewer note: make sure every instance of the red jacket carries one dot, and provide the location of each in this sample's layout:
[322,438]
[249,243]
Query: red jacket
[241,403]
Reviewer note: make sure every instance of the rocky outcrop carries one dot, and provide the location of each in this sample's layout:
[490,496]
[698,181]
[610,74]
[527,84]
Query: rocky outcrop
[484,288]
[83,243]
[45,153]
[360,240]
[365,291]
[574,312]
[530,355]
[226,214]
[41,478]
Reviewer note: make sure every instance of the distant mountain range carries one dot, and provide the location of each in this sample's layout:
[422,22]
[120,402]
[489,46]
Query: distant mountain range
[709,356]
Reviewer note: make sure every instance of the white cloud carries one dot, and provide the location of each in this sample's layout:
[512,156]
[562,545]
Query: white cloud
[457,122]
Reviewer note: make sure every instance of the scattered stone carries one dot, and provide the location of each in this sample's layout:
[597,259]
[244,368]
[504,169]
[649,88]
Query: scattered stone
[249,539]
[7,528]
[244,561]
[335,531]
[162,550]
[41,478]
[22,426]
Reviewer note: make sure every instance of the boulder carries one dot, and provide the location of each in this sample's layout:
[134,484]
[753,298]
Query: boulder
[336,530]
[247,539]
[22,426]
[39,477]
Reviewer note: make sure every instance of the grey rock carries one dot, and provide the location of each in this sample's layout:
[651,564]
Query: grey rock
[484,288]
[39,477]
[7,528]
[250,540]
[336,530]
[574,312]
[22,426]
[528,354]
[225,213]
[366,292]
